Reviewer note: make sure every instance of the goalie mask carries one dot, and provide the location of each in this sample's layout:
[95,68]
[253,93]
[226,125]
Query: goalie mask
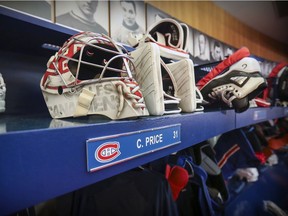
[91,74]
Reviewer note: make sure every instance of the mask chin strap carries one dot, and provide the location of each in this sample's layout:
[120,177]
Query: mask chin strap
[84,102]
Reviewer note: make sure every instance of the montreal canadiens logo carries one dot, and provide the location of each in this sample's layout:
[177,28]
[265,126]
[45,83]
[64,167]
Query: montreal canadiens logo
[107,152]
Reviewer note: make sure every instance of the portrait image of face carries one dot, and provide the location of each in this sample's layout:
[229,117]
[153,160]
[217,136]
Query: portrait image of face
[202,44]
[217,52]
[155,15]
[129,12]
[127,20]
[39,8]
[201,48]
[228,51]
[87,8]
[83,15]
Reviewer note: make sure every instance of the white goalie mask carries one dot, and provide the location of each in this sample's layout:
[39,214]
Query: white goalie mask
[91,74]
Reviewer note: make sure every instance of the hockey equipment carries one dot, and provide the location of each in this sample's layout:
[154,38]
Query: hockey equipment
[260,102]
[273,209]
[2,94]
[272,160]
[256,140]
[234,81]
[276,91]
[167,32]
[207,181]
[278,142]
[162,49]
[186,90]
[250,174]
[172,35]
[199,180]
[234,150]
[186,41]
[156,80]
[215,181]
[134,192]
[91,74]
[177,177]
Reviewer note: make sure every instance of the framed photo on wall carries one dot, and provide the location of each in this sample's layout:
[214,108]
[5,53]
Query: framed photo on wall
[201,48]
[190,45]
[228,50]
[83,15]
[216,50]
[40,8]
[127,17]
[153,15]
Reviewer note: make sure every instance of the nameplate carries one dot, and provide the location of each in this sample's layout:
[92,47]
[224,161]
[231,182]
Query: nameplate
[259,115]
[110,150]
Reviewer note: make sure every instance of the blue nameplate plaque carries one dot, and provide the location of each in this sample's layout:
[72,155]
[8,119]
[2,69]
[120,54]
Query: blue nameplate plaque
[285,112]
[109,150]
[260,115]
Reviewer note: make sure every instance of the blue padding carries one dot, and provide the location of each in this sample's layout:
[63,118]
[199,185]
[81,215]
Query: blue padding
[272,185]
[243,158]
[199,179]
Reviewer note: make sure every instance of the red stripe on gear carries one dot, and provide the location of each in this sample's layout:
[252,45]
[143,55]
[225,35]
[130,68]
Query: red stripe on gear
[273,74]
[172,48]
[227,155]
[277,68]
[261,157]
[235,57]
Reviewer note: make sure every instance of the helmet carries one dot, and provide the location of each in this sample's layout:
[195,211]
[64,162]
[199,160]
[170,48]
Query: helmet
[91,74]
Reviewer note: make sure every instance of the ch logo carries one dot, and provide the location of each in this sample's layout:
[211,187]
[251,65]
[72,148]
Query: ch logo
[107,152]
